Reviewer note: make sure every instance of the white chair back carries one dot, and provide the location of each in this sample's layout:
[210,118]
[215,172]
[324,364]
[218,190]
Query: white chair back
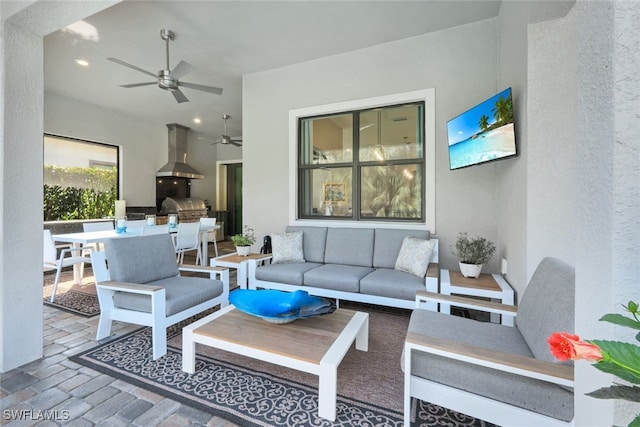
[99,266]
[188,236]
[208,222]
[98,226]
[50,251]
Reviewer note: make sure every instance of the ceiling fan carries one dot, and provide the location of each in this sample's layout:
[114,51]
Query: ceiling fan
[226,139]
[168,79]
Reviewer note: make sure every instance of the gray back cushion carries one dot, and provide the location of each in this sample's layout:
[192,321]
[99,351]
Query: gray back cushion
[313,241]
[388,243]
[547,306]
[350,246]
[141,259]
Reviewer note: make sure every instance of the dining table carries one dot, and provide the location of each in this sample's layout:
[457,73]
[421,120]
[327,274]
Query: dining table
[87,238]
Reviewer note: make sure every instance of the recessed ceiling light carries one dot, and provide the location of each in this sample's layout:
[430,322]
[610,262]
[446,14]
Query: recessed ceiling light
[82,62]
[197,120]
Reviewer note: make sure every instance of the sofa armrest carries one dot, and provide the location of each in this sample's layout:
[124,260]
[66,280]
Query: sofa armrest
[521,365]
[433,270]
[472,303]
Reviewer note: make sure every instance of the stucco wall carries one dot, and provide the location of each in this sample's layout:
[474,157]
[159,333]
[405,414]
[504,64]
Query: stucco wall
[459,63]
[552,155]
[143,146]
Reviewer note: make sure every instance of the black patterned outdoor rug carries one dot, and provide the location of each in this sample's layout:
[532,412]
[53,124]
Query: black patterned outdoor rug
[254,393]
[76,302]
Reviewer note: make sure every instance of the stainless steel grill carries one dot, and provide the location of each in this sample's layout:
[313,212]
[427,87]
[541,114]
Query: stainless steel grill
[188,209]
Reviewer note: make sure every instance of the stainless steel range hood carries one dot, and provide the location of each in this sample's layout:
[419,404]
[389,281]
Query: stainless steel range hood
[177,165]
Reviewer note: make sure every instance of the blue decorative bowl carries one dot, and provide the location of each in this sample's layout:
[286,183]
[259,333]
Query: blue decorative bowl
[279,306]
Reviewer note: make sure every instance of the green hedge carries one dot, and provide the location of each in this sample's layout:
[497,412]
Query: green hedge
[63,202]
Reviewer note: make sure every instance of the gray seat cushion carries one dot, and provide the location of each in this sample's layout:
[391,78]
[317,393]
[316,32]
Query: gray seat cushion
[141,259]
[387,282]
[291,274]
[345,278]
[388,243]
[349,246]
[313,241]
[181,293]
[534,395]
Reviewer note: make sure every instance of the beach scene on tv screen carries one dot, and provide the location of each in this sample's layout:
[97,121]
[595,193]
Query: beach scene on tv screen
[483,133]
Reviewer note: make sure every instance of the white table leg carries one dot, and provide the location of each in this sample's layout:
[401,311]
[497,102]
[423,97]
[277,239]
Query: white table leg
[327,390]
[78,269]
[362,339]
[242,275]
[188,352]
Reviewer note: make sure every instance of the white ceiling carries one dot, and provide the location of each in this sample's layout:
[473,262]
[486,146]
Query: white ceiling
[225,40]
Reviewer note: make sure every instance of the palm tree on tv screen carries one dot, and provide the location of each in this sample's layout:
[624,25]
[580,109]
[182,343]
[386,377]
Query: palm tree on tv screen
[503,111]
[483,122]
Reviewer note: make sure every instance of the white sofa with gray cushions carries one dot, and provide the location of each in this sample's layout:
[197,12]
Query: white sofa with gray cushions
[369,265]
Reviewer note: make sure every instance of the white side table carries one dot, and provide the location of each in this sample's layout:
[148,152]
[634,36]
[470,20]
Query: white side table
[240,263]
[486,286]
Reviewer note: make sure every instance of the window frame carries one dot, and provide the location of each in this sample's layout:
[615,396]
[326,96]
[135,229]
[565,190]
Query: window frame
[428,97]
[117,164]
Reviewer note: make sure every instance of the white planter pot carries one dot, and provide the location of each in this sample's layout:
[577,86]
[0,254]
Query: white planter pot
[470,270]
[243,250]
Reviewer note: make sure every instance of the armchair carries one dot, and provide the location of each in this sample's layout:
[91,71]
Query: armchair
[501,374]
[143,285]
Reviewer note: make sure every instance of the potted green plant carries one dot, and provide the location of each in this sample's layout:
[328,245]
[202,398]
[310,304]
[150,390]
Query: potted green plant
[244,240]
[472,253]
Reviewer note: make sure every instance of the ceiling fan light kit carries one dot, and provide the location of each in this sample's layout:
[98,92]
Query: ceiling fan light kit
[168,79]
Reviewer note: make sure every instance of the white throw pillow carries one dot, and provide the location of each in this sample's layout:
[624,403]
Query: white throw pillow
[415,255]
[287,248]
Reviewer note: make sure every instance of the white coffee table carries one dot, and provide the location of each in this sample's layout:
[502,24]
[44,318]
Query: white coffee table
[315,345]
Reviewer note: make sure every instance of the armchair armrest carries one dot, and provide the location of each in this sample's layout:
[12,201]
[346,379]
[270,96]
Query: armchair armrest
[472,303]
[201,268]
[135,288]
[521,365]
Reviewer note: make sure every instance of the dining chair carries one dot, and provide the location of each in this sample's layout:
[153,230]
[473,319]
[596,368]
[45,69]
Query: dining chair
[211,235]
[52,262]
[136,225]
[97,226]
[187,240]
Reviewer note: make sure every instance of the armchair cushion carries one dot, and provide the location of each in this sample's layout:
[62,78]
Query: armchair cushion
[180,294]
[154,259]
[534,395]
[547,305]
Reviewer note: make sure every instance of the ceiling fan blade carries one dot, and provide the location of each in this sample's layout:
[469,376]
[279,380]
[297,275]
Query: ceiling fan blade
[210,89]
[236,143]
[133,67]
[179,96]
[139,84]
[183,68]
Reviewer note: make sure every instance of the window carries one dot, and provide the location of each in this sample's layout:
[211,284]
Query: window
[80,179]
[366,164]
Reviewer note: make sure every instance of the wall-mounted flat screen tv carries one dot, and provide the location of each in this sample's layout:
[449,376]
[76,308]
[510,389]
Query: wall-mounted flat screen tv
[484,133]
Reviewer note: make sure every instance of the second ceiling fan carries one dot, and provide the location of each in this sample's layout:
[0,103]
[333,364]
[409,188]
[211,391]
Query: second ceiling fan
[226,139]
[168,79]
